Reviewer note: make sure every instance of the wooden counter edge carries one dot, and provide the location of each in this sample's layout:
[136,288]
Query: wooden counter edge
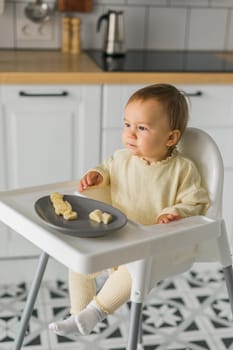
[114,78]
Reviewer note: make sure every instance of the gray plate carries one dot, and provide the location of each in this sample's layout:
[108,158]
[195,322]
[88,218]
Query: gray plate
[83,226]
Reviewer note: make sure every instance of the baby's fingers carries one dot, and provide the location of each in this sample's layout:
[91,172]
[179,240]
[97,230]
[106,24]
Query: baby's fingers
[163,220]
[166,218]
[94,178]
[173,217]
[91,178]
[82,185]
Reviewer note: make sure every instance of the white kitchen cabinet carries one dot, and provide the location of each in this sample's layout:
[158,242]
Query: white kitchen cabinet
[48,134]
[211,109]
[3,229]
[2,154]
[51,132]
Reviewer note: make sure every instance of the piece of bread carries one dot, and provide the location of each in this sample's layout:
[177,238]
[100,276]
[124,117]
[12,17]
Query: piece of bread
[56,196]
[106,218]
[62,207]
[98,216]
[70,215]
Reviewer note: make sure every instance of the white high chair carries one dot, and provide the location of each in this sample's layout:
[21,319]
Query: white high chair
[180,252]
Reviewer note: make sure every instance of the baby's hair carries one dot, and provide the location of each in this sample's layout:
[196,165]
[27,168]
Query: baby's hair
[173,101]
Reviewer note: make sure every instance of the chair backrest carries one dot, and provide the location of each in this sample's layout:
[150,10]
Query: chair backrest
[199,146]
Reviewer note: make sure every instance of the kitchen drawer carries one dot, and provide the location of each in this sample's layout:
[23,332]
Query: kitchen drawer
[213,107]
[51,132]
[48,94]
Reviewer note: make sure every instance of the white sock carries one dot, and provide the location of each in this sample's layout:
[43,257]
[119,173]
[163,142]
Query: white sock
[65,327]
[89,317]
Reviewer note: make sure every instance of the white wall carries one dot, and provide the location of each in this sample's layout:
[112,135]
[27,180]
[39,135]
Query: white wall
[150,24]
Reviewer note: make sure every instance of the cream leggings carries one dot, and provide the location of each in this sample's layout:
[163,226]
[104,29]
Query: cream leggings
[114,293]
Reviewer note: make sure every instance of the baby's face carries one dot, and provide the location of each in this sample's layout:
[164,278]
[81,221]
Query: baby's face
[146,130]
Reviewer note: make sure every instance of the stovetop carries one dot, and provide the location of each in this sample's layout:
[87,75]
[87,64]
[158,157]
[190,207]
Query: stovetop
[165,61]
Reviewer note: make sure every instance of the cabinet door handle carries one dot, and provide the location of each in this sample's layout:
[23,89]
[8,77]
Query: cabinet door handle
[26,94]
[194,94]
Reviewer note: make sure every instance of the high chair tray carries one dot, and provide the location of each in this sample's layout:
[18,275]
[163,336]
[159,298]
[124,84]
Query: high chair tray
[82,226]
[87,255]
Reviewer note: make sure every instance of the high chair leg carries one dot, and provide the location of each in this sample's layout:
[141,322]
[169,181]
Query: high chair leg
[135,323]
[228,274]
[31,299]
[140,346]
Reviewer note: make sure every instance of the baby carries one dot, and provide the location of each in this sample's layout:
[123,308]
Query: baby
[150,181]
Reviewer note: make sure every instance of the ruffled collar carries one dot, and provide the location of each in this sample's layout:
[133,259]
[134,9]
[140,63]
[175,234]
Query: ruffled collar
[173,154]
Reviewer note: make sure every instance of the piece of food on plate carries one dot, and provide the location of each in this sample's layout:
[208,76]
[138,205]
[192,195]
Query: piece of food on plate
[70,215]
[62,207]
[56,196]
[98,216]
[106,218]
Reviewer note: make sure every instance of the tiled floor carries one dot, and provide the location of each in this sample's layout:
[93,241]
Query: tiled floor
[189,312]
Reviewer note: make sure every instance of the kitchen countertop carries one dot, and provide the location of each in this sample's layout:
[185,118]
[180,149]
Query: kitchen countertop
[54,67]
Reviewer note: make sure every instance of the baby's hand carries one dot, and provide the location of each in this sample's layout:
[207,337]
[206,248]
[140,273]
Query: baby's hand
[90,179]
[166,218]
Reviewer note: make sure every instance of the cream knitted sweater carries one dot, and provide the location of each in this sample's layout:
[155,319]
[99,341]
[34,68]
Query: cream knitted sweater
[143,192]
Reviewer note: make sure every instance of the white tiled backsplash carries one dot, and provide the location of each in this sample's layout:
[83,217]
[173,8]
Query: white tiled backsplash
[149,24]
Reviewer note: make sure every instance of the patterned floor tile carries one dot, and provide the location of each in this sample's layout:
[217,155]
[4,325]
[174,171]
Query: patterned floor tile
[188,312]
[12,300]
